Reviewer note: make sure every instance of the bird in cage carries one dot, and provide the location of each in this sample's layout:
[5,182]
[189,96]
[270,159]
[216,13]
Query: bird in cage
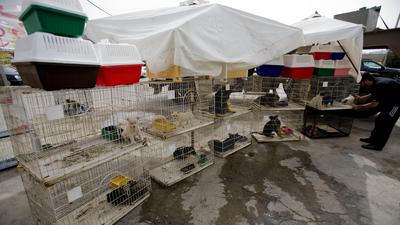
[182,118]
[271,127]
[72,107]
[184,152]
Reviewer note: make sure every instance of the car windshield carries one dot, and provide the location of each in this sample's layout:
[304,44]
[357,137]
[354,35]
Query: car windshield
[9,70]
[372,65]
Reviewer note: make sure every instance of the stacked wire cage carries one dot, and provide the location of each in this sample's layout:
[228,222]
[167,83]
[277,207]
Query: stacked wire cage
[81,149]
[277,93]
[328,112]
[278,105]
[231,134]
[174,119]
[7,157]
[277,125]
[222,99]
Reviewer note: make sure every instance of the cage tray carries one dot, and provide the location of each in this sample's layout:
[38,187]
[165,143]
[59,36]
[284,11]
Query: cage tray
[238,146]
[236,111]
[292,106]
[296,136]
[99,211]
[169,173]
[196,123]
[71,159]
[335,106]
[329,132]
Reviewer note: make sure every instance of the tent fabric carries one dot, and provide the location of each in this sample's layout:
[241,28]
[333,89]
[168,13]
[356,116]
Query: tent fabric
[203,39]
[321,30]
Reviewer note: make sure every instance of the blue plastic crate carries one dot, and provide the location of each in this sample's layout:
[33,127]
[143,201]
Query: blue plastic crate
[337,55]
[269,70]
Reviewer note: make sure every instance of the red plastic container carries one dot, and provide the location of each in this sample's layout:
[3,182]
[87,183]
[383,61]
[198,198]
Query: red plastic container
[119,75]
[341,72]
[321,55]
[298,72]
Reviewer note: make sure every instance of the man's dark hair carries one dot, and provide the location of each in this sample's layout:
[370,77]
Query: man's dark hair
[367,76]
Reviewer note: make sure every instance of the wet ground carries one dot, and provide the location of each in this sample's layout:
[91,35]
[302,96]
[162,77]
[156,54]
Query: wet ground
[326,181]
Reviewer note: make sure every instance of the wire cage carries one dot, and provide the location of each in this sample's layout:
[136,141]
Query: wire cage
[7,158]
[327,93]
[59,132]
[220,99]
[97,196]
[231,135]
[277,126]
[277,93]
[172,108]
[327,123]
[177,158]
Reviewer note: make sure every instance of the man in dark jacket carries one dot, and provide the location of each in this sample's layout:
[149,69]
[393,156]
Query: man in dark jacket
[385,94]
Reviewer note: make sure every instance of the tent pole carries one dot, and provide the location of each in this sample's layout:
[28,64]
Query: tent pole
[351,61]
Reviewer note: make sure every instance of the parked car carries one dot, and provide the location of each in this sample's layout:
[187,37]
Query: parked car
[10,76]
[378,69]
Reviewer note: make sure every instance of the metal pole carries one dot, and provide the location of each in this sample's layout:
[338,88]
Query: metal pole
[351,61]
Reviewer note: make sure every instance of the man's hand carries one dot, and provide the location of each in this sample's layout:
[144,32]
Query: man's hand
[355,107]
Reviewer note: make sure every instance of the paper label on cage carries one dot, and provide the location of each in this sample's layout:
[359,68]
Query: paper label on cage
[227,87]
[74,194]
[171,94]
[325,84]
[55,112]
[164,89]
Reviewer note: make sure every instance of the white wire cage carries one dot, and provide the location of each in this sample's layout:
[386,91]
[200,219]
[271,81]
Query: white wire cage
[231,135]
[273,93]
[98,196]
[173,108]
[58,132]
[177,158]
[277,126]
[327,93]
[220,99]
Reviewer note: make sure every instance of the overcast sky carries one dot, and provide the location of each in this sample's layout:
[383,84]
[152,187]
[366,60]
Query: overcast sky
[285,11]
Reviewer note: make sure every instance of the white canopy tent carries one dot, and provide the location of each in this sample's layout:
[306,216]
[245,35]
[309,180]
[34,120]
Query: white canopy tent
[204,39]
[321,30]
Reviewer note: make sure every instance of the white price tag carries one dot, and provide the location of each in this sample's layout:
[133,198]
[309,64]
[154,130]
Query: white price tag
[227,87]
[74,194]
[55,112]
[325,84]
[171,94]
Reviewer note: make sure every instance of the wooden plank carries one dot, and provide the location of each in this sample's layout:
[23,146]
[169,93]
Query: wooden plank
[161,176]
[292,106]
[199,123]
[296,136]
[236,111]
[336,106]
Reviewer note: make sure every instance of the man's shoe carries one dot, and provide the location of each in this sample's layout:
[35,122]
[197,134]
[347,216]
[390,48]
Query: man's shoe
[371,147]
[366,140]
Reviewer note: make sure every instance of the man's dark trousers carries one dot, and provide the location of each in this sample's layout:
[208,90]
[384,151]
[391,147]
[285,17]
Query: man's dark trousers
[384,124]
